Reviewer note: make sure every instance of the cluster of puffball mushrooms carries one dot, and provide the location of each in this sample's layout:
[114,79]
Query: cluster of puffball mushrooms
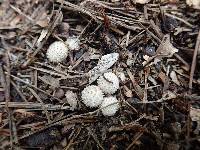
[92,96]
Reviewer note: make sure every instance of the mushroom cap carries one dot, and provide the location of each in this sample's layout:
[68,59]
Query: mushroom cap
[92,96]
[57,51]
[108,83]
[109,106]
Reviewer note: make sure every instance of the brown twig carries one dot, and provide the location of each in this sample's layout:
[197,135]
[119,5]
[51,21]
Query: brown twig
[32,106]
[194,60]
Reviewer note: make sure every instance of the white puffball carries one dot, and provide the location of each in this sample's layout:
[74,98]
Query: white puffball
[109,106]
[73,43]
[92,96]
[57,52]
[108,83]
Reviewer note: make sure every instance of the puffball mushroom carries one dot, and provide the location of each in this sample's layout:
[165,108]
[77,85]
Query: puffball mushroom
[92,96]
[109,106]
[73,43]
[108,83]
[57,52]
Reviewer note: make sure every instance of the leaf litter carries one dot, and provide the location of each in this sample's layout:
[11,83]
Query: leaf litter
[153,48]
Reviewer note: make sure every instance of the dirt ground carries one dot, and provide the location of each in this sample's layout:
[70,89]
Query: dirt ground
[158,68]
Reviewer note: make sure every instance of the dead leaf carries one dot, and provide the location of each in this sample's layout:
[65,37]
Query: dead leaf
[195,116]
[166,49]
[127,91]
[43,21]
[162,76]
[103,65]
[174,78]
[169,95]
[42,36]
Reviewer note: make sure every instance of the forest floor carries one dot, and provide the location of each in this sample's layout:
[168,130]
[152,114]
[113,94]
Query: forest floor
[159,91]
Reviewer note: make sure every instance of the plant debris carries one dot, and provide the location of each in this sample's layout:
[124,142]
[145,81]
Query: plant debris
[151,46]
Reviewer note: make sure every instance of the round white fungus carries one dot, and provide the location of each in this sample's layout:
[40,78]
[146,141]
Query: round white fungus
[57,51]
[92,96]
[109,106]
[108,83]
[73,43]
